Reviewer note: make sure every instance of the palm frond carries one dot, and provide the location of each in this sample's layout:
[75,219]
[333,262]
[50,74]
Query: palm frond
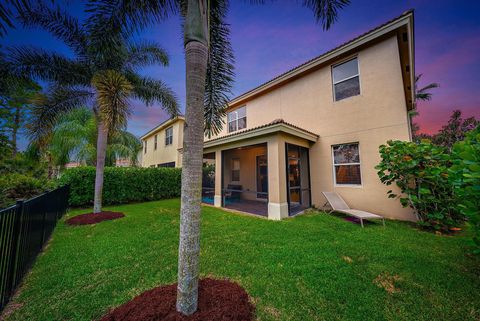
[220,69]
[145,54]
[113,91]
[112,20]
[6,20]
[57,22]
[151,90]
[423,93]
[326,11]
[36,62]
[47,108]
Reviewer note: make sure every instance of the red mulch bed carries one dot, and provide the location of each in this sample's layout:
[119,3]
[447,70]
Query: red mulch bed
[219,300]
[94,218]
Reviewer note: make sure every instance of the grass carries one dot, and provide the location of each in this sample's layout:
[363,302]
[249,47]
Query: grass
[312,267]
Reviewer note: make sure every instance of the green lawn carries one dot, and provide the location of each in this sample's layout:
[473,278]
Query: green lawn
[312,267]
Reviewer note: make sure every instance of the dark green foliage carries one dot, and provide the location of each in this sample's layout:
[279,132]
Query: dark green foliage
[21,178]
[465,175]
[421,173]
[16,186]
[122,184]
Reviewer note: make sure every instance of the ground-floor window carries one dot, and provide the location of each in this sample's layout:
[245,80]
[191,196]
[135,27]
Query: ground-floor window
[235,170]
[169,164]
[346,164]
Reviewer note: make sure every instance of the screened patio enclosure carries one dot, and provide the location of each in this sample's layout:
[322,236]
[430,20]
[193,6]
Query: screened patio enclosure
[245,179]
[263,171]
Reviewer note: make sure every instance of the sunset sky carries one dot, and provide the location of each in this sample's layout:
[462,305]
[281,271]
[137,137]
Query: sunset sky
[272,38]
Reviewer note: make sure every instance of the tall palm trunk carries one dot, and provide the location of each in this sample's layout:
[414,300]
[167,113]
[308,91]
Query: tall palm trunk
[100,166]
[196,55]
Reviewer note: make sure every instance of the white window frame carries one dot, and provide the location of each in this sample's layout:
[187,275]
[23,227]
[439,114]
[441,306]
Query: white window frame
[169,138]
[235,112]
[343,164]
[348,78]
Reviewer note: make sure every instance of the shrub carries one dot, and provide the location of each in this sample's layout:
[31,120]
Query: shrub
[15,186]
[421,171]
[465,175]
[122,184]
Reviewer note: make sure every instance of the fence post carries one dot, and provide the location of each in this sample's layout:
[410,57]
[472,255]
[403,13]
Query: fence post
[17,240]
[45,206]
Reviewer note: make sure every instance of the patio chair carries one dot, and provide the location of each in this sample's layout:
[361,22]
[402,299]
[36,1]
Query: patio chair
[338,205]
[234,192]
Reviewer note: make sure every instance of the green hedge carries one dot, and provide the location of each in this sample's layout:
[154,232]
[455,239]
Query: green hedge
[122,184]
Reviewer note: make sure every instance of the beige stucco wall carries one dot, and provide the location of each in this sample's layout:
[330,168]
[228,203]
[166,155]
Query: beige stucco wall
[164,153]
[375,116]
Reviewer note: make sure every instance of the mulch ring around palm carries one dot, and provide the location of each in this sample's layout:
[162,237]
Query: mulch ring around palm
[94,218]
[217,300]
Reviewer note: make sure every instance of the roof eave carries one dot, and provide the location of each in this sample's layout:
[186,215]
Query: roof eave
[280,127]
[159,127]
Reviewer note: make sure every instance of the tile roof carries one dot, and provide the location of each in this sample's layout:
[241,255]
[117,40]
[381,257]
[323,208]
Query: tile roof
[270,124]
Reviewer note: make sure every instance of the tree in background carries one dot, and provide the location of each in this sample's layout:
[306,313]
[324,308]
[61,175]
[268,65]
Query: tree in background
[103,73]
[5,147]
[14,108]
[74,138]
[455,130]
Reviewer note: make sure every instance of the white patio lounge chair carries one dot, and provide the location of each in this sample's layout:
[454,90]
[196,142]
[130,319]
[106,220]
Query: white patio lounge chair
[338,205]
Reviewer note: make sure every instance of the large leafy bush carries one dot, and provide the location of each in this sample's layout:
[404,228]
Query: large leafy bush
[14,186]
[465,175]
[122,184]
[421,171]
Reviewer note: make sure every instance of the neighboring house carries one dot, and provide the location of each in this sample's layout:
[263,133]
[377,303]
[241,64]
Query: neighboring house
[161,145]
[318,128]
[72,164]
[123,162]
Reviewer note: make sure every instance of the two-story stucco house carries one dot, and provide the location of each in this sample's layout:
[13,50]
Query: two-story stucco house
[161,145]
[317,127]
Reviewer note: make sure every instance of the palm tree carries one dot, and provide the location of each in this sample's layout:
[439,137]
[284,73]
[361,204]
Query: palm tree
[422,94]
[74,137]
[103,73]
[209,77]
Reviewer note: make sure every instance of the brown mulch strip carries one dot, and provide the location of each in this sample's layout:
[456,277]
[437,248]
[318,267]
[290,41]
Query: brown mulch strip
[94,218]
[218,300]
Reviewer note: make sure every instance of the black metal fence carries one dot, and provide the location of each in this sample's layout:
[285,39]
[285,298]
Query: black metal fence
[24,229]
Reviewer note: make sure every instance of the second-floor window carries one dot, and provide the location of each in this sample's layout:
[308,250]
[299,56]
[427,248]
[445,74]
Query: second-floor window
[346,79]
[145,147]
[169,136]
[155,142]
[237,119]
